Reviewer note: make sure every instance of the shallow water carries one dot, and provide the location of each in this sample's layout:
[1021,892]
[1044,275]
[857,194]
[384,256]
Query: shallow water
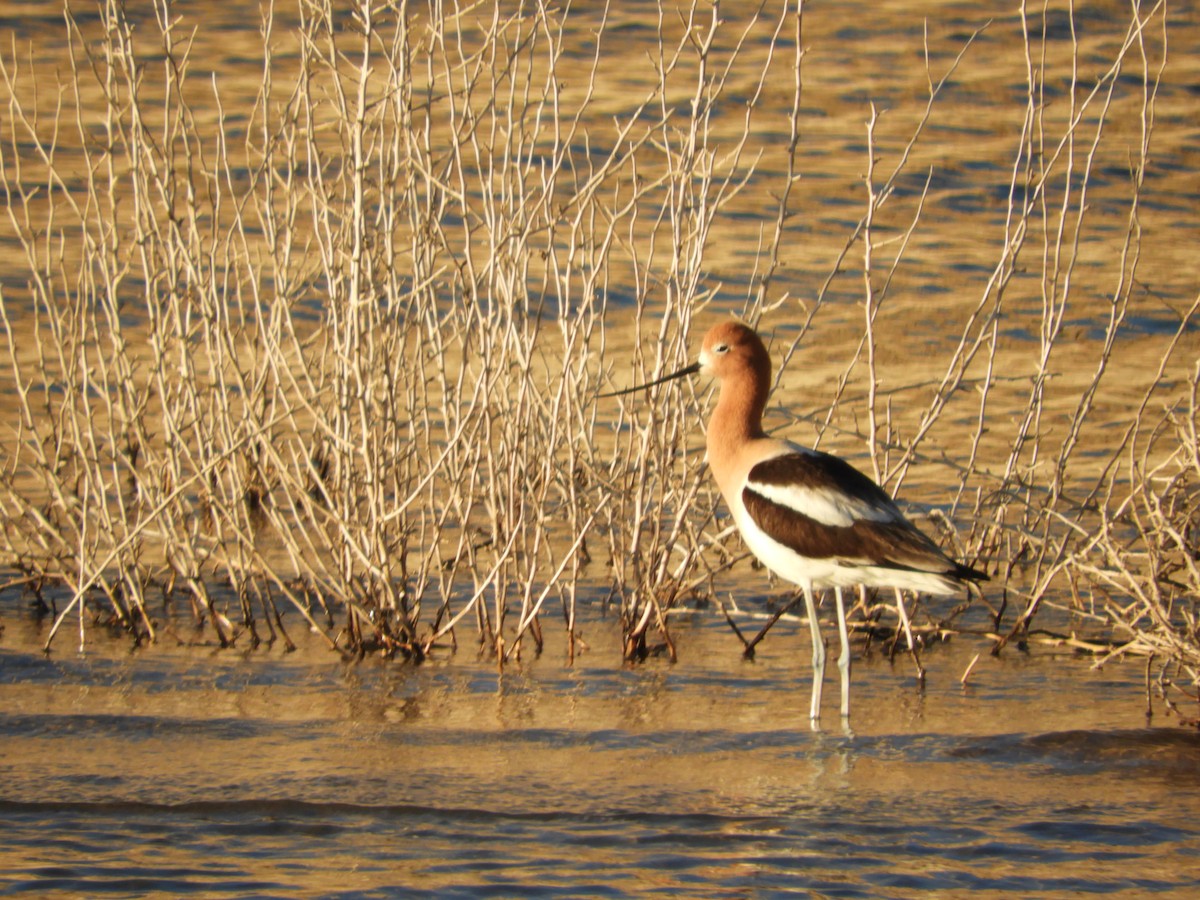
[188,770]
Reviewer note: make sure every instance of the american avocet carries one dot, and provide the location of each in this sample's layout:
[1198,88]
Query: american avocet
[812,518]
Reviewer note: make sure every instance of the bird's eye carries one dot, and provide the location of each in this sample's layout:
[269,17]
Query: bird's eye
[721,348]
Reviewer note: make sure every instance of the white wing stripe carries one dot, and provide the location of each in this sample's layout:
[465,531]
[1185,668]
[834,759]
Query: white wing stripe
[828,506]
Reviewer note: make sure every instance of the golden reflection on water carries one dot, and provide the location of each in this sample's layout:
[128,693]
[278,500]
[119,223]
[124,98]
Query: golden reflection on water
[413,773]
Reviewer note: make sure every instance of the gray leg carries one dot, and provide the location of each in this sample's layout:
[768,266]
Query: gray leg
[844,659]
[818,646]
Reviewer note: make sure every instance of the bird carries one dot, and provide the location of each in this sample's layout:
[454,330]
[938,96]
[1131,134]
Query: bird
[808,516]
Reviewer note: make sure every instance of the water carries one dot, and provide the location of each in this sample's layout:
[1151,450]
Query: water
[188,770]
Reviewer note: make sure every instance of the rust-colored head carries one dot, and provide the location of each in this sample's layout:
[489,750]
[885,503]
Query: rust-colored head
[731,353]
[733,350]
[736,356]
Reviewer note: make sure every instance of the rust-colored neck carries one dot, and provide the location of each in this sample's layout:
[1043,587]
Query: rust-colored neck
[737,420]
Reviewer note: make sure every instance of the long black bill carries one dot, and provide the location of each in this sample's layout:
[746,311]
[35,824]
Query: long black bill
[690,370]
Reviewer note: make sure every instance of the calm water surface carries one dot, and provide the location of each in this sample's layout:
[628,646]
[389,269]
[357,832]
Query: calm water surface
[188,770]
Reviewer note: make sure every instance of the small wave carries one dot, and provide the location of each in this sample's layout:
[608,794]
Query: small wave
[1163,752]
